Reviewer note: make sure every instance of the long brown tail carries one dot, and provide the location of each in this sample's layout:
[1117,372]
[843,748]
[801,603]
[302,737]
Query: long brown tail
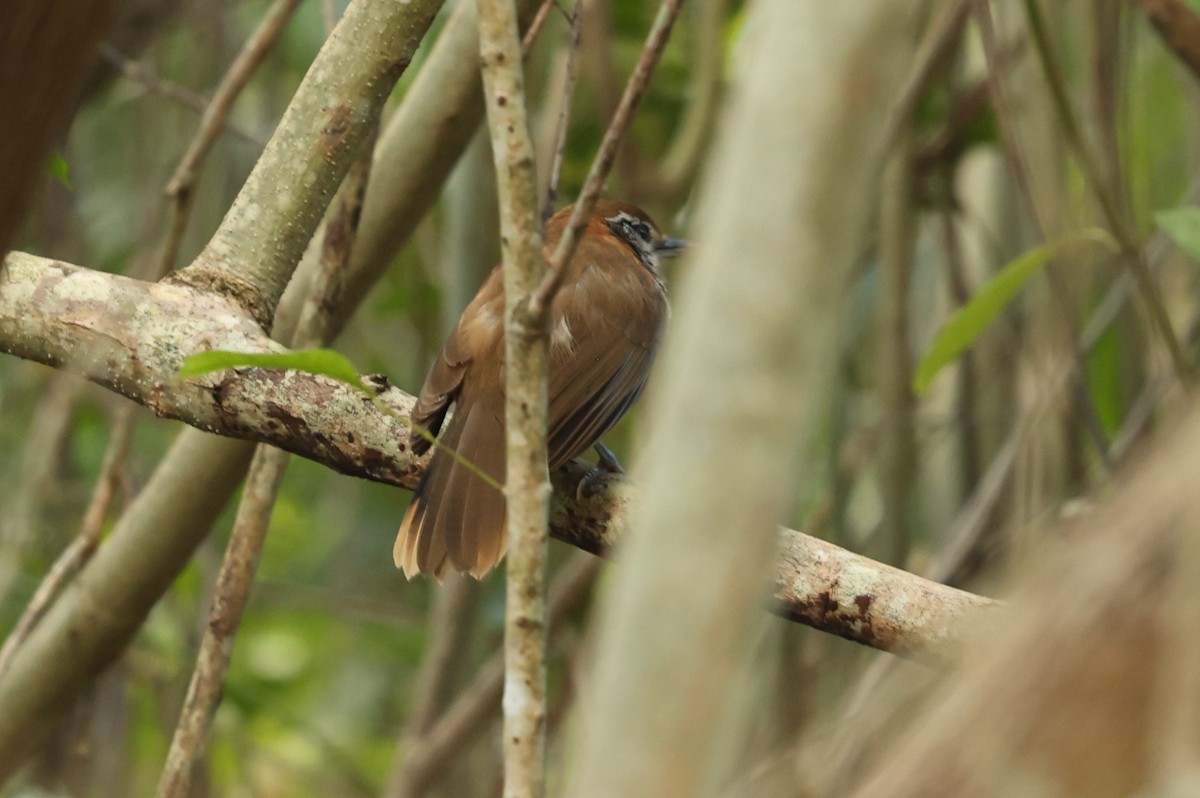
[456,518]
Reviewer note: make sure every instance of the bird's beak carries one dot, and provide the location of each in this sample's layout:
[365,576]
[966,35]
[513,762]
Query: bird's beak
[670,247]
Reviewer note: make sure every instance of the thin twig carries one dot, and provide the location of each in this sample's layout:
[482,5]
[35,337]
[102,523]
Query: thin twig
[675,171]
[180,188]
[535,27]
[941,40]
[898,444]
[965,399]
[1014,153]
[450,625]
[37,476]
[77,553]
[1131,254]
[564,111]
[229,602]
[652,51]
[236,77]
[1179,27]
[194,101]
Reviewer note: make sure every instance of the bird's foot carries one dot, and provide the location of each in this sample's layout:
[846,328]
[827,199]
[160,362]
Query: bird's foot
[379,383]
[606,464]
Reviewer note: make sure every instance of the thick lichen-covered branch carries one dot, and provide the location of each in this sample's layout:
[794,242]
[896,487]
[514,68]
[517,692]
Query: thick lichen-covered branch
[254,252]
[63,315]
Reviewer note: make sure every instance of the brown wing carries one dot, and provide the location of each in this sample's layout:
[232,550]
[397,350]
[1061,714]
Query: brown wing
[605,330]
[477,330]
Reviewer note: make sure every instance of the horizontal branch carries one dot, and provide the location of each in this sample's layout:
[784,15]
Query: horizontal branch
[132,337]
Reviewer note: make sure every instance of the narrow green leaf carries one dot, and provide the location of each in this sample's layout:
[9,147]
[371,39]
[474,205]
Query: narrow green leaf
[59,169]
[964,327]
[314,361]
[966,324]
[1104,381]
[1183,226]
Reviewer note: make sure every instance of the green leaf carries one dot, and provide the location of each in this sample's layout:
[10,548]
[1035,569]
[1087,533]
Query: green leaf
[964,327]
[1104,381]
[1183,226]
[59,169]
[314,361]
[966,324]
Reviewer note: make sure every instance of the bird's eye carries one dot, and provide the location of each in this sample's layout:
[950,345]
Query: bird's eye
[634,230]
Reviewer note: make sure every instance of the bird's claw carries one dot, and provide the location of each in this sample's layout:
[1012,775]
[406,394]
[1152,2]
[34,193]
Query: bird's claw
[606,464]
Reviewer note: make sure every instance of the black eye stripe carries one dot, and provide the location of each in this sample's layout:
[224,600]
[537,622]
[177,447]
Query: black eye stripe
[632,229]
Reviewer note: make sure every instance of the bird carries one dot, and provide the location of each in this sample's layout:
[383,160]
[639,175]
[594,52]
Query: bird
[606,323]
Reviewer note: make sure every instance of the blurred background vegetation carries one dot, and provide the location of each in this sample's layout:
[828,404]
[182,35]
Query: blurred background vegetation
[1038,412]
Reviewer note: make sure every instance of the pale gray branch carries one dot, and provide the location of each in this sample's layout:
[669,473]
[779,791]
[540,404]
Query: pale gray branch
[526,344]
[255,250]
[133,336]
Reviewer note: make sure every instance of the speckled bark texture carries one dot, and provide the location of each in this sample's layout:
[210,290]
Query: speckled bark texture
[526,341]
[837,591]
[133,337]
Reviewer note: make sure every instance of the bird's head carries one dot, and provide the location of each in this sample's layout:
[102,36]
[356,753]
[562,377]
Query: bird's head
[636,229]
[627,223]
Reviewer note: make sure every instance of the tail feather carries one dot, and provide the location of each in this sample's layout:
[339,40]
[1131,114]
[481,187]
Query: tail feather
[456,518]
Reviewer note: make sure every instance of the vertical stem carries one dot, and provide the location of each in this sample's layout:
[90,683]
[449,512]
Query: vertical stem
[898,445]
[564,117]
[1131,254]
[528,483]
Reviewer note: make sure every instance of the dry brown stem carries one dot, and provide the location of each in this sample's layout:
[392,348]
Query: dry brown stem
[656,42]
[1086,684]
[1179,27]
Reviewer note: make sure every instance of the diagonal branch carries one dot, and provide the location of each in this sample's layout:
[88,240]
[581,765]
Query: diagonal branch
[1179,27]
[251,257]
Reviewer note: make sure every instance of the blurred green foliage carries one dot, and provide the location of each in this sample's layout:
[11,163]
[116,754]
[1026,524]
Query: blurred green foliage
[322,675]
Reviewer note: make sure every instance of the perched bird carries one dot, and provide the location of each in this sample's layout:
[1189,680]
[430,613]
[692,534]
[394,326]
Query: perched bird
[606,322]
